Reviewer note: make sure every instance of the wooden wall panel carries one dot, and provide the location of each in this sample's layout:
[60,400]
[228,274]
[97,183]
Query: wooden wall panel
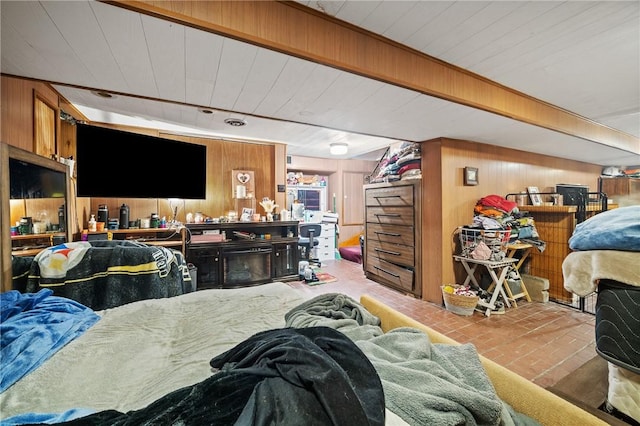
[17,110]
[16,105]
[353,196]
[501,171]
[222,158]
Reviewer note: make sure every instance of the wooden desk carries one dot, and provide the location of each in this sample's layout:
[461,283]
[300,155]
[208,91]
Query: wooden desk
[498,272]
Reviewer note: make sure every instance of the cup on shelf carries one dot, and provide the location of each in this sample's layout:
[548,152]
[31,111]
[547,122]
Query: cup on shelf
[100,226]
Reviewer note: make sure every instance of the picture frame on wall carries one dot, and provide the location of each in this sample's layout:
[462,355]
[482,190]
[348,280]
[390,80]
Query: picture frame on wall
[534,195]
[470,176]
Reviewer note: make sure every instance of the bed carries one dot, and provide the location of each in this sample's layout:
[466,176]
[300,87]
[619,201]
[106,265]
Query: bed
[158,357]
[606,260]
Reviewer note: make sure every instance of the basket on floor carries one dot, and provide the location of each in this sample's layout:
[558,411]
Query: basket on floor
[458,303]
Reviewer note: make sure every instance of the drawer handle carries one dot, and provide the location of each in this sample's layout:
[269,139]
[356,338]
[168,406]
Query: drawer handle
[387,214]
[390,234]
[395,253]
[386,272]
[386,196]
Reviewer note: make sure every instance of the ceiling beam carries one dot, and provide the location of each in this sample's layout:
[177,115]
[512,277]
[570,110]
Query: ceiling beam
[294,29]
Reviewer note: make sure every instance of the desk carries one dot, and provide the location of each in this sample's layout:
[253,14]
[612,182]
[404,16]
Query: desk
[498,272]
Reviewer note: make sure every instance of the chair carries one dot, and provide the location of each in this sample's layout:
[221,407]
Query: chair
[307,240]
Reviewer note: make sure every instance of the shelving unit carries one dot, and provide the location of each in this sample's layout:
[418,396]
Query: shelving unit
[165,237]
[32,244]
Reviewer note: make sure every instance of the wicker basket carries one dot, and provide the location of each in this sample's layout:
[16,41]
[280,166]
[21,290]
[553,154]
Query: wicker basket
[459,304]
[497,241]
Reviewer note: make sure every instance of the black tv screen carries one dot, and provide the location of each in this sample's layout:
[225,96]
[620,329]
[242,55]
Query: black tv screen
[27,180]
[117,164]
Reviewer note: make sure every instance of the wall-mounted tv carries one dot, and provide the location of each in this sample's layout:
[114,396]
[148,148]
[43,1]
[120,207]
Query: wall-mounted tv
[117,164]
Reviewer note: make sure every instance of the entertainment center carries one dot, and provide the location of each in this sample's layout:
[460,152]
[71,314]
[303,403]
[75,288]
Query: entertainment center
[233,254]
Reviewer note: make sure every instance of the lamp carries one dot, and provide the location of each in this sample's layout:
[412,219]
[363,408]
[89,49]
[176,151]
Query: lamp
[338,148]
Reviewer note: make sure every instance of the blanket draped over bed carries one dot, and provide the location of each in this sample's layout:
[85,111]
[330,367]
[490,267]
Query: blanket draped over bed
[424,383]
[606,259]
[35,326]
[106,274]
[306,377]
[153,359]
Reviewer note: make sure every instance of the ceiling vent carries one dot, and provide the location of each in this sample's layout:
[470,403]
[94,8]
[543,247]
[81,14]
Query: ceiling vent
[235,122]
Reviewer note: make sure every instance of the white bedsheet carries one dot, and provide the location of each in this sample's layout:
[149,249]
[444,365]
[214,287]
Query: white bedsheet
[624,391]
[139,352]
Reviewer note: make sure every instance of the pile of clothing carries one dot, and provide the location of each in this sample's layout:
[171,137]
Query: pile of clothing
[496,212]
[401,164]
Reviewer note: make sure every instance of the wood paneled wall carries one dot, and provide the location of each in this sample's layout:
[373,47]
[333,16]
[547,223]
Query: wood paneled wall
[222,158]
[448,203]
[17,110]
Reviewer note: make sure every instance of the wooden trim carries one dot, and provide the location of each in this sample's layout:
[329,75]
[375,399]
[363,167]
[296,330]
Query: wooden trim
[300,31]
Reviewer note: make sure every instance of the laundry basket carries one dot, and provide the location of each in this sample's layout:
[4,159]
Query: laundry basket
[461,304]
[495,239]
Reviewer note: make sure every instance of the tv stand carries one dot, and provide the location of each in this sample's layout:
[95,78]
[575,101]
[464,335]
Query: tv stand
[239,254]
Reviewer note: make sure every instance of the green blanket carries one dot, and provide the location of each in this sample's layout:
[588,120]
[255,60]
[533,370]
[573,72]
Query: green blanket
[424,383]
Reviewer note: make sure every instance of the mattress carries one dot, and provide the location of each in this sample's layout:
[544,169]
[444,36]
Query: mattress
[617,324]
[624,391]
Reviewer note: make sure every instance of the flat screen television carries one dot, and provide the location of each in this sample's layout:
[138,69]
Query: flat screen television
[28,180]
[573,195]
[114,163]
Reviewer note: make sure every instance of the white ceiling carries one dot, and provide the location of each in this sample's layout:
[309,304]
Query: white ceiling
[583,56]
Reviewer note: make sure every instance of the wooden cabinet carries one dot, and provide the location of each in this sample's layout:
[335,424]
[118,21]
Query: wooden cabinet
[30,186]
[618,186]
[174,238]
[393,235]
[285,260]
[234,254]
[32,244]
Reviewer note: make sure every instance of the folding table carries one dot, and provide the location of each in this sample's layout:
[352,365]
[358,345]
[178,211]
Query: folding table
[497,270]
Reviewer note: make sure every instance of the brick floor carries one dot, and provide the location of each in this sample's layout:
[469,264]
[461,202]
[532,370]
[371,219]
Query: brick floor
[542,342]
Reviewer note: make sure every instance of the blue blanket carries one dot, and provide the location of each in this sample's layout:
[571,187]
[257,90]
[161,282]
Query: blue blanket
[34,326]
[617,229]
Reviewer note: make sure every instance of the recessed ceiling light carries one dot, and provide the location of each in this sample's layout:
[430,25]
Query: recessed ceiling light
[205,110]
[235,122]
[338,148]
[101,94]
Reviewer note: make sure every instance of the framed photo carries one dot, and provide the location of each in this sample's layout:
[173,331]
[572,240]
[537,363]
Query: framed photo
[246,214]
[534,195]
[470,175]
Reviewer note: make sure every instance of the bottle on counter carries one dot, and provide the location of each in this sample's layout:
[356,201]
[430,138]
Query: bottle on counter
[93,227]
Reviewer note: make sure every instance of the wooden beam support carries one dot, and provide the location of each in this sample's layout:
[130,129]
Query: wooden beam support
[297,30]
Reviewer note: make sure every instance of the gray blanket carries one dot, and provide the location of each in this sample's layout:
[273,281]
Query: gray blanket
[424,383]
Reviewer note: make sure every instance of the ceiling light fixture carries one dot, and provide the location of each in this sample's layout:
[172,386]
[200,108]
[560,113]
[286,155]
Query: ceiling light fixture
[101,94]
[235,122]
[338,148]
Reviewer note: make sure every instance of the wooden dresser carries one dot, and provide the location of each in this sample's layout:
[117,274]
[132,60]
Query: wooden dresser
[393,235]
